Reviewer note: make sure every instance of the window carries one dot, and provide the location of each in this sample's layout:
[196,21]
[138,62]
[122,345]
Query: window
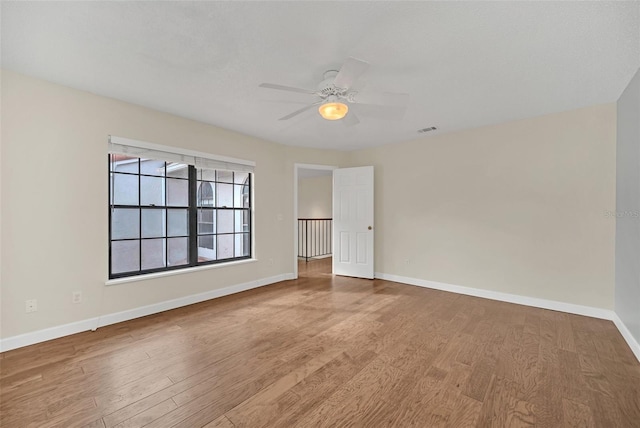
[167,215]
[223,215]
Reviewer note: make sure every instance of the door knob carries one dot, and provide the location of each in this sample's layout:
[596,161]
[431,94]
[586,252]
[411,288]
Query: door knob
[369,227]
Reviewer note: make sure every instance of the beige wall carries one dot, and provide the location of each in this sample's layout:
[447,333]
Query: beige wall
[314,197]
[54,202]
[515,208]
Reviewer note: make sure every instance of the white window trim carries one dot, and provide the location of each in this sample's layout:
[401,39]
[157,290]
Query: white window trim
[162,274]
[144,149]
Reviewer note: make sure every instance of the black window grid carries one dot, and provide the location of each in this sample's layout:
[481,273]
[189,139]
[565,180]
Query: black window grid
[192,227]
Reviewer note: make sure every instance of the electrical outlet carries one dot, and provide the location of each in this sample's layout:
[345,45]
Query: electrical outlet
[31,305]
[76,297]
[407,262]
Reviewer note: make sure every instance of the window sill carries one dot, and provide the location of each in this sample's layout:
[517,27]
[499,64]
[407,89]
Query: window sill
[175,272]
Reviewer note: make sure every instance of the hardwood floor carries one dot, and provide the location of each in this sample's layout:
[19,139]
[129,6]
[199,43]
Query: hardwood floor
[326,351]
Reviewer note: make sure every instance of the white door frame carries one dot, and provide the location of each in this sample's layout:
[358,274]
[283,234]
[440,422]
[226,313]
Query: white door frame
[296,167]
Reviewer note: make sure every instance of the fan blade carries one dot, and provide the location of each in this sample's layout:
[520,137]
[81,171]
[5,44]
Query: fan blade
[297,112]
[350,119]
[286,88]
[349,72]
[379,98]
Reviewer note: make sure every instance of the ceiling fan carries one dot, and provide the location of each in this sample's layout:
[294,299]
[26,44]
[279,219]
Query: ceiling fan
[334,95]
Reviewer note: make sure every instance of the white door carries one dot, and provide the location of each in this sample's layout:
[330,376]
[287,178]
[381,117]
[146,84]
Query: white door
[353,222]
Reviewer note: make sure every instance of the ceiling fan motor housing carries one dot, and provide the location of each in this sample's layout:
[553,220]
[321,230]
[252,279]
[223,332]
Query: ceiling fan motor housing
[327,88]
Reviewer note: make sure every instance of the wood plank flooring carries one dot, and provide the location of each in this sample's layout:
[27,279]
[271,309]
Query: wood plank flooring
[326,351]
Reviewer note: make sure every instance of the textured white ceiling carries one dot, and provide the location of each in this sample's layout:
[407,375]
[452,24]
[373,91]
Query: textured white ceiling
[464,64]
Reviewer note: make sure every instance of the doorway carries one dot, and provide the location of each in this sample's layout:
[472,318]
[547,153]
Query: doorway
[313,222]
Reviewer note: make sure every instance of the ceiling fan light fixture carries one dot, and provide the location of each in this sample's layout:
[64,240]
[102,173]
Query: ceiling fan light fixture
[333,110]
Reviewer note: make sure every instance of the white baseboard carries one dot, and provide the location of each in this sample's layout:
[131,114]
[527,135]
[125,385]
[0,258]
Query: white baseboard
[554,305]
[32,338]
[143,311]
[104,320]
[504,297]
[624,331]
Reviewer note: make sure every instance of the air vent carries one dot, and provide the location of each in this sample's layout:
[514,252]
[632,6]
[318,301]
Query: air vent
[423,130]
